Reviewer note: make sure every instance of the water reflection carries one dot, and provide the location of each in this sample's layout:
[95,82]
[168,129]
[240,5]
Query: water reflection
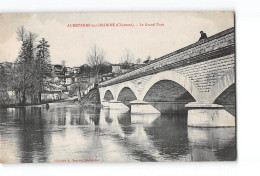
[67,132]
[212,144]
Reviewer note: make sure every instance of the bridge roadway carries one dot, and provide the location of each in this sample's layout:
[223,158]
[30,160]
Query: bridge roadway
[192,78]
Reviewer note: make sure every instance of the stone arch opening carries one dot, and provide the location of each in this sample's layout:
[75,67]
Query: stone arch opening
[176,77]
[221,85]
[228,99]
[126,95]
[108,96]
[167,96]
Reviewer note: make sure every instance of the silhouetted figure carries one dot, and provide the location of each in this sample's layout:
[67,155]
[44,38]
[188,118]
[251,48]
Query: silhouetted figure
[203,35]
[47,106]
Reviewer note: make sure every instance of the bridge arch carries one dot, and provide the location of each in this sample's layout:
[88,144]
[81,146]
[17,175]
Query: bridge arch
[222,84]
[176,77]
[108,96]
[129,85]
[127,92]
[126,95]
[106,92]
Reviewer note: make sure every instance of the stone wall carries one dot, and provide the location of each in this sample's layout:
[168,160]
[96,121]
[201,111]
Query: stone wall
[204,75]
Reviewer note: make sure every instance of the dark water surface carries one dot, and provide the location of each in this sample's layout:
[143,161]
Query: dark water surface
[69,133]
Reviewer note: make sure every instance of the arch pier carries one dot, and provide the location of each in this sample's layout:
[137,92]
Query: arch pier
[202,114]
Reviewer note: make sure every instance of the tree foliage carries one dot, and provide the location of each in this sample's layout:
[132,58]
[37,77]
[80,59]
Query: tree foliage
[89,71]
[127,57]
[42,66]
[138,61]
[31,67]
[96,58]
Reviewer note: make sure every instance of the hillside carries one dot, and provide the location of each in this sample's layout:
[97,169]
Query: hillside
[92,98]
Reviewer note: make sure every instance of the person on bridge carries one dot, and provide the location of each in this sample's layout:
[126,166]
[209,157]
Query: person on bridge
[203,35]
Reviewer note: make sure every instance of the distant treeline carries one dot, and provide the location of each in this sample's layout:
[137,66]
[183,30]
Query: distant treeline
[90,71]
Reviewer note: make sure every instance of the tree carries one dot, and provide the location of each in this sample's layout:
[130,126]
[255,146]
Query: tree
[63,63]
[95,59]
[127,57]
[21,34]
[15,83]
[42,66]
[105,68]
[31,67]
[25,61]
[3,78]
[148,57]
[138,61]
[78,86]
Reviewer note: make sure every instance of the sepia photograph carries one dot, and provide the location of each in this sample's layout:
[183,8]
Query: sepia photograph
[110,87]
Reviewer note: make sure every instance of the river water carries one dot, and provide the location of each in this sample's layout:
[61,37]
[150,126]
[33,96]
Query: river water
[68,133]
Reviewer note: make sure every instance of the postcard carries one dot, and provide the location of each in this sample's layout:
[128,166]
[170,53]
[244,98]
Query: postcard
[117,87]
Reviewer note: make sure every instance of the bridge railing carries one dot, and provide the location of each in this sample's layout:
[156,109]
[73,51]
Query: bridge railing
[222,42]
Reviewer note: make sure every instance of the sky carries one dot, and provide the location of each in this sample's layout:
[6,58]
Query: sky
[73,44]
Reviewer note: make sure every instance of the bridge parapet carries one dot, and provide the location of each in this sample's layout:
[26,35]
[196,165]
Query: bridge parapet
[218,45]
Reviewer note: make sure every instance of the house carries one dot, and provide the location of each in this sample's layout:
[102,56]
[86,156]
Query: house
[68,80]
[116,68]
[107,76]
[124,67]
[68,71]
[75,70]
[57,69]
[8,66]
[120,68]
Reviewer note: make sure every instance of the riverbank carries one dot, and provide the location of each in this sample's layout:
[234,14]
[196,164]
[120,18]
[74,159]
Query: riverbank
[92,99]
[72,99]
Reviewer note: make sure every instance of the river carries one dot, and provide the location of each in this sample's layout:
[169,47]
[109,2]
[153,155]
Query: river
[69,133]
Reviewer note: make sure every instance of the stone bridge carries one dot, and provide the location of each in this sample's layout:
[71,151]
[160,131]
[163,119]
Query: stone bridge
[198,79]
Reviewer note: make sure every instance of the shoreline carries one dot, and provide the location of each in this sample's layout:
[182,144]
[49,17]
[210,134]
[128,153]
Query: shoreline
[40,104]
[84,105]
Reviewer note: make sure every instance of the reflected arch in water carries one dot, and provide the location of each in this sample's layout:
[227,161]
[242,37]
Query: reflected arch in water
[170,132]
[212,144]
[144,118]
[104,114]
[125,122]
